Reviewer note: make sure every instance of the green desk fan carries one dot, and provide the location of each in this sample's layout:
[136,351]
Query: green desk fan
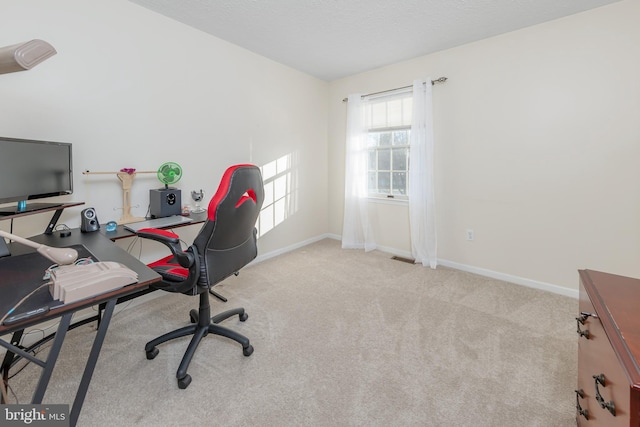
[166,201]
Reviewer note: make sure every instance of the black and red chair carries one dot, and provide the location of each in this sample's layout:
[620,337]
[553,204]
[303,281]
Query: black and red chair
[225,244]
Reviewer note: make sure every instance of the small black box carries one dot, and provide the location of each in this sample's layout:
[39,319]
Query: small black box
[164,202]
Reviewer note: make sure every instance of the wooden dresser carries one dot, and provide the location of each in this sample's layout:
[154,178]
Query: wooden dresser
[608,327]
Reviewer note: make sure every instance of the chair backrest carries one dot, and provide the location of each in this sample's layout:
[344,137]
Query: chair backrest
[227,240]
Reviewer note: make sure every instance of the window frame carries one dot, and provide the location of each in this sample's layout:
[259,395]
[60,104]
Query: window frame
[381,117]
[377,149]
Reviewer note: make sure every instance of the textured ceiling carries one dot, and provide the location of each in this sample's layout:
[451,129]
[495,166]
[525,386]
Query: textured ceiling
[331,39]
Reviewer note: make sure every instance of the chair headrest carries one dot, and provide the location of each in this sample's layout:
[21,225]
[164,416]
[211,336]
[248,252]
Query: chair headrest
[241,182]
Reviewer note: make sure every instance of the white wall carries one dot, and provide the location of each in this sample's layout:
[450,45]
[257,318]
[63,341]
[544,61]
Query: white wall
[132,88]
[537,148]
[536,131]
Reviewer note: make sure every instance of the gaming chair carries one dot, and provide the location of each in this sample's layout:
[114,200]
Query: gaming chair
[225,244]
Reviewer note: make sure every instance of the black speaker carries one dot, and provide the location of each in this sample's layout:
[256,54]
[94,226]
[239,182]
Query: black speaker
[89,220]
[165,202]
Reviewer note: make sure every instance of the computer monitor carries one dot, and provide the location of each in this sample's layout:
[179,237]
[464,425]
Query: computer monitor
[31,169]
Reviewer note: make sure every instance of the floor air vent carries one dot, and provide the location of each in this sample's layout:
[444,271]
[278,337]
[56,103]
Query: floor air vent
[407,260]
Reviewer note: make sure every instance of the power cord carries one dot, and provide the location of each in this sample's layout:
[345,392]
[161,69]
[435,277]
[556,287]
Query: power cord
[3,390]
[34,350]
[23,300]
[47,276]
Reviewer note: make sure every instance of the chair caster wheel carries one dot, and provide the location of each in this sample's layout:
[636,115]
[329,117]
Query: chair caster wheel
[184,382]
[247,351]
[244,317]
[151,354]
[193,316]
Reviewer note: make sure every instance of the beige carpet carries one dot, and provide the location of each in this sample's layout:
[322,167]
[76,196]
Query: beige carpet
[342,338]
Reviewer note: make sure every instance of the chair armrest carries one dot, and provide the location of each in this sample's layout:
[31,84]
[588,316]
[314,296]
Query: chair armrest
[170,240]
[163,236]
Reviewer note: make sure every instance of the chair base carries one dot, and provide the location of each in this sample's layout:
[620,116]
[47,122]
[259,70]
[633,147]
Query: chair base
[217,295]
[204,325]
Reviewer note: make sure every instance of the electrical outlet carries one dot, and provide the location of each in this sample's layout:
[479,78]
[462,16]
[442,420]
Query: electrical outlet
[469,234]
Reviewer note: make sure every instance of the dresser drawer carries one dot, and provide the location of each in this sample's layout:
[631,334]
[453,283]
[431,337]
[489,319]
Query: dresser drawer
[608,328]
[596,358]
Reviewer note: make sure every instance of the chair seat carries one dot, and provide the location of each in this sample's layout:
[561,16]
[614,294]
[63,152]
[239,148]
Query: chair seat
[169,269]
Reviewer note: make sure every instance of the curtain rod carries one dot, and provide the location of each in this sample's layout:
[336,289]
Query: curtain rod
[433,82]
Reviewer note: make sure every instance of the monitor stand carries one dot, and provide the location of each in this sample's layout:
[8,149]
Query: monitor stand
[29,207]
[37,208]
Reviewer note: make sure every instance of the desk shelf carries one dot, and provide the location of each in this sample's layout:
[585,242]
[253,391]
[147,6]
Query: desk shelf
[54,219]
[4,249]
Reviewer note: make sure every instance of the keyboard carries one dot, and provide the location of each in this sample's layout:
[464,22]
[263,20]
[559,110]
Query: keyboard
[165,222]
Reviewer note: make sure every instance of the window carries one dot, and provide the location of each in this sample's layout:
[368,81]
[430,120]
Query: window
[388,122]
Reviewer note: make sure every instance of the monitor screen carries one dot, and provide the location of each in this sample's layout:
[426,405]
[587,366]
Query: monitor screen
[33,170]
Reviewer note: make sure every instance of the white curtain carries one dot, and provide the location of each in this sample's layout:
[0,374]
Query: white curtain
[356,230]
[421,188]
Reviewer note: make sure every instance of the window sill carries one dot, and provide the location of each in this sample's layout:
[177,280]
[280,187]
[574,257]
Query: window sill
[389,200]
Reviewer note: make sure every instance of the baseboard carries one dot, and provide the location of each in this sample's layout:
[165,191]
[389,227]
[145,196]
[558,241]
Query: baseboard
[573,293]
[284,250]
[511,279]
[272,254]
[385,249]
[333,236]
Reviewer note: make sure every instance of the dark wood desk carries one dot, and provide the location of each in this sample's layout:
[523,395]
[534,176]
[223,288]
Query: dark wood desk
[104,250]
[123,233]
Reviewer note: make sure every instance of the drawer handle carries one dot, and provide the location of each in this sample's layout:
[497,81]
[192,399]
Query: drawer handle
[583,412]
[582,333]
[580,321]
[599,379]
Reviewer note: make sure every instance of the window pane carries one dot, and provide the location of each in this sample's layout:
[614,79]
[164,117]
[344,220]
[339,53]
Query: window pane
[372,139]
[372,159]
[384,159]
[372,181]
[401,137]
[399,183]
[385,138]
[399,159]
[384,182]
